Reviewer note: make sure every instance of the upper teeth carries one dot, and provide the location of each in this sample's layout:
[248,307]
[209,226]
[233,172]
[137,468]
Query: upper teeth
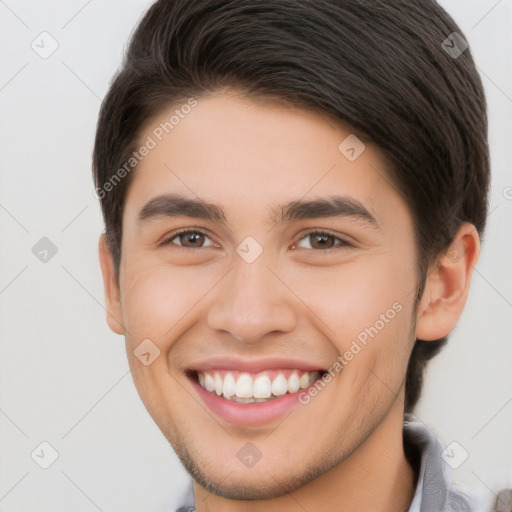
[246,387]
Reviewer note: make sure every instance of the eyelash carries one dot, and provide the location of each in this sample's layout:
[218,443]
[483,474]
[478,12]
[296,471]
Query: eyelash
[342,243]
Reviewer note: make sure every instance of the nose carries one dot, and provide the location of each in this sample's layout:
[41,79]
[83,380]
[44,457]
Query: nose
[252,301]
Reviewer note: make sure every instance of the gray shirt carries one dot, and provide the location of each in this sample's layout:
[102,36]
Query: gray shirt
[434,491]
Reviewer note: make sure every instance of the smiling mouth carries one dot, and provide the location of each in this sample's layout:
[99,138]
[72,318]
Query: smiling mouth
[245,387]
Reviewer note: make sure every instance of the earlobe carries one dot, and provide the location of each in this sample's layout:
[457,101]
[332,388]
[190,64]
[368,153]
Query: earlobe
[447,286]
[111,288]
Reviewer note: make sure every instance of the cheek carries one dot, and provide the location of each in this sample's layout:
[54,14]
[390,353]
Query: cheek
[350,299]
[154,298]
[365,311]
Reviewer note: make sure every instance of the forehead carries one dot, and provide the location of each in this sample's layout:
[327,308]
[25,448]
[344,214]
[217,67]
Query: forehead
[245,152]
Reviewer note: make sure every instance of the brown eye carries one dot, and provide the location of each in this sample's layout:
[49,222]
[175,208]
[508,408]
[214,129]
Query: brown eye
[194,239]
[322,240]
[188,239]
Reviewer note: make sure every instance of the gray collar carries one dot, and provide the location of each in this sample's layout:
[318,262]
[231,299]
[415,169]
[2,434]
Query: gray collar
[434,491]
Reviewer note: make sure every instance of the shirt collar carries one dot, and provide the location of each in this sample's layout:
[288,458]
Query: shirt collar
[433,489]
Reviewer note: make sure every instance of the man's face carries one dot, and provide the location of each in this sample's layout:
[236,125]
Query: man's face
[267,298]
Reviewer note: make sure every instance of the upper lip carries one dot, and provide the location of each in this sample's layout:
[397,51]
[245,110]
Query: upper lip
[253,365]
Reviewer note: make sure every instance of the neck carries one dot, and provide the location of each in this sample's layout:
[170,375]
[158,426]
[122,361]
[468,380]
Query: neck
[376,477]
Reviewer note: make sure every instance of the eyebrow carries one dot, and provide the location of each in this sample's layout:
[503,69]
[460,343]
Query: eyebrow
[176,205]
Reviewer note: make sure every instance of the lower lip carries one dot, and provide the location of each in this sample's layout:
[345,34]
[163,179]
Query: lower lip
[255,414]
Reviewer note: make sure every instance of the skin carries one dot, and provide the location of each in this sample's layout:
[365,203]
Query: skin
[297,299]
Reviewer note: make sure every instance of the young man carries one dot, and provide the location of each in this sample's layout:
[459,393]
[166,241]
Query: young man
[294,194]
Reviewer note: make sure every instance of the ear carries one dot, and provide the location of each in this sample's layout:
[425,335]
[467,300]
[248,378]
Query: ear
[447,286]
[111,288]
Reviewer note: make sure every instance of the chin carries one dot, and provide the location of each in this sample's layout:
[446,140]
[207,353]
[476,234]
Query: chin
[252,483]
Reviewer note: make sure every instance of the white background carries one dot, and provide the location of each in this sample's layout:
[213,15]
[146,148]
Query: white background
[64,376]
